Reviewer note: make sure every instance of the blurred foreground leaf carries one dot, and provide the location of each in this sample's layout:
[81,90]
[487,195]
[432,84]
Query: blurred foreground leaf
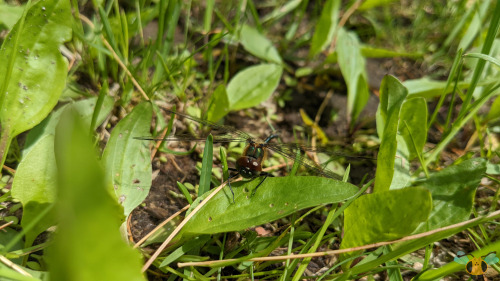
[87,244]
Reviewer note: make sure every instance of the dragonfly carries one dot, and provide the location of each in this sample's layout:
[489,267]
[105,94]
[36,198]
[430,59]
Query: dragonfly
[249,164]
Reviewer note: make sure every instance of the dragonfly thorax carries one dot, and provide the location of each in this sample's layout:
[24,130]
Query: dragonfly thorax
[248,166]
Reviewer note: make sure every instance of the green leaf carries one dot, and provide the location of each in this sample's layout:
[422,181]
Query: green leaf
[206,167]
[88,242]
[352,66]
[218,106]
[370,4]
[416,244]
[494,112]
[392,95]
[33,71]
[10,14]
[375,52]
[427,88]
[85,109]
[258,45]
[413,125]
[396,216]
[127,160]
[274,199]
[325,28]
[281,10]
[35,186]
[453,190]
[253,85]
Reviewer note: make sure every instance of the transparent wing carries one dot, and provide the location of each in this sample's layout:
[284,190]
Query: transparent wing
[461,258]
[303,147]
[290,152]
[220,133]
[491,258]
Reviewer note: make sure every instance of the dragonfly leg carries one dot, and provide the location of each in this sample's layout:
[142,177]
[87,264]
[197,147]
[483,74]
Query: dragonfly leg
[265,177]
[229,180]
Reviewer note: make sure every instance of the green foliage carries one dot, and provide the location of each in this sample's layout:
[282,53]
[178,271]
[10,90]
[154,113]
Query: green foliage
[127,162]
[352,65]
[33,70]
[253,85]
[274,199]
[396,216]
[129,61]
[206,167]
[453,190]
[34,185]
[325,28]
[258,45]
[87,245]
[392,96]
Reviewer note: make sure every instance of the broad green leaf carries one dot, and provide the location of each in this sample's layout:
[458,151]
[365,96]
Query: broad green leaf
[35,186]
[493,169]
[494,112]
[453,190]
[206,167]
[33,71]
[427,88]
[396,216]
[325,28]
[413,125]
[401,177]
[127,160]
[417,244]
[258,45]
[352,66]
[218,106]
[7,235]
[253,85]
[9,14]
[370,4]
[392,95]
[84,108]
[87,243]
[274,199]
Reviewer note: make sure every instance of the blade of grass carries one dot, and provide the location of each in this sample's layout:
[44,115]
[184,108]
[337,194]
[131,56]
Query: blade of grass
[206,170]
[488,43]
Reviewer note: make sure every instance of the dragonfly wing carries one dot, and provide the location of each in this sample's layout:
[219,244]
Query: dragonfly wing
[303,147]
[184,137]
[461,258]
[216,128]
[491,258]
[290,152]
